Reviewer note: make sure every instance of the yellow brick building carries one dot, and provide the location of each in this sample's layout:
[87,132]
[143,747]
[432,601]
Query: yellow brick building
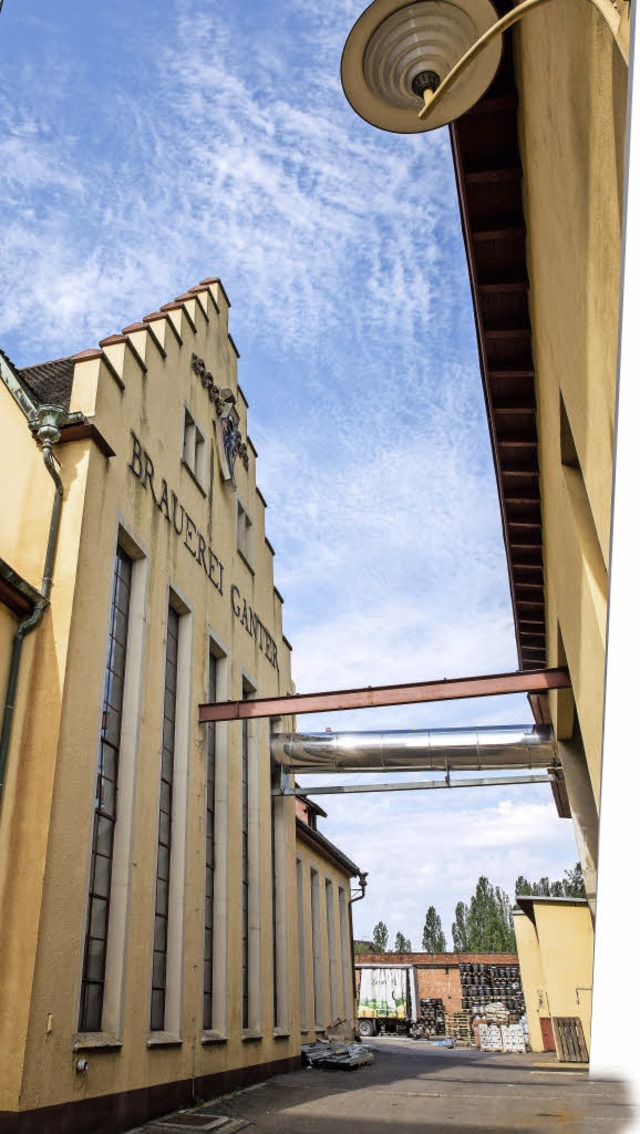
[150,880]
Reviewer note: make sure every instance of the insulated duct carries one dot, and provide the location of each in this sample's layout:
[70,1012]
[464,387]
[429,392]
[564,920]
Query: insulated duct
[442,750]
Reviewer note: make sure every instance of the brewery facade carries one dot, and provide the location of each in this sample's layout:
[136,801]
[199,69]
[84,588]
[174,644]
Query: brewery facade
[161,916]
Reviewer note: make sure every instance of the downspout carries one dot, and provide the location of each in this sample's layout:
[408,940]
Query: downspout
[362,883]
[45,427]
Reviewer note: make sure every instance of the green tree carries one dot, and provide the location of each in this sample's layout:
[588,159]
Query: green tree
[523,887]
[403,944]
[460,929]
[507,932]
[571,886]
[361,949]
[490,921]
[574,883]
[433,938]
[380,938]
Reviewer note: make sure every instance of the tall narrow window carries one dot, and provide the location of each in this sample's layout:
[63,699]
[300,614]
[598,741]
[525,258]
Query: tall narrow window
[345,955]
[302,951]
[274,916]
[333,956]
[93,974]
[160,932]
[316,950]
[207,1001]
[250,867]
[244,790]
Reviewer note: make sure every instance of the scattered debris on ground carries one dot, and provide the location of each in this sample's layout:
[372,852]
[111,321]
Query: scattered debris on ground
[329,1054]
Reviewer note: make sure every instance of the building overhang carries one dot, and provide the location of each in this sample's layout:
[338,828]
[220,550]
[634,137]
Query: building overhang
[16,593]
[488,176]
[528,903]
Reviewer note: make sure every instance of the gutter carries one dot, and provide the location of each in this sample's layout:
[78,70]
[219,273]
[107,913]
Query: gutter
[318,842]
[45,424]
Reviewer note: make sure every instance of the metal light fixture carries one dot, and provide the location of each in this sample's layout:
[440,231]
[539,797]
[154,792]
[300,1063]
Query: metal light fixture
[412,67]
[397,52]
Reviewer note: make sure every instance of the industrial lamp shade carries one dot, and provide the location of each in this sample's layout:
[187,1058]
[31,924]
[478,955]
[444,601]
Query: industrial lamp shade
[396,49]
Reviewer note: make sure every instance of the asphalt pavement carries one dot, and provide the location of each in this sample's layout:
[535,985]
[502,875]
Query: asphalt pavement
[415,1088]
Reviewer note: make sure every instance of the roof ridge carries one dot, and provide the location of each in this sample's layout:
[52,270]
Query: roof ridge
[47,362]
[40,379]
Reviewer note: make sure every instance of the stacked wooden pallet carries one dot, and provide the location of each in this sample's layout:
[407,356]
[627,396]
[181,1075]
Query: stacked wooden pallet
[458,1027]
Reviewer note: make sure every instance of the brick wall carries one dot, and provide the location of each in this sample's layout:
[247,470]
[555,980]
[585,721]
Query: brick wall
[438,974]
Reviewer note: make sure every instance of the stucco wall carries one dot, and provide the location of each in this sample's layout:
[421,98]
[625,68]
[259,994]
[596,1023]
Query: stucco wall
[566,949]
[532,976]
[49,803]
[323,1012]
[572,81]
[555,949]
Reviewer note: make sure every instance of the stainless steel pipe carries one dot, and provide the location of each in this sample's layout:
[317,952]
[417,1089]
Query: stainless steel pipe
[503,746]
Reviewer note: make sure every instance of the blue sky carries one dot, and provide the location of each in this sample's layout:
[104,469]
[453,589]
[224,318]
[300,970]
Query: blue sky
[145,146]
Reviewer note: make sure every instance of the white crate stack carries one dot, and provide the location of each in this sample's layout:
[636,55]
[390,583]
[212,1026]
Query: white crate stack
[513,1037]
[490,1037]
[501,1037]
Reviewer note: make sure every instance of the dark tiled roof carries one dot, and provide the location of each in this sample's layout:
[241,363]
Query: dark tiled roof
[328,849]
[50,382]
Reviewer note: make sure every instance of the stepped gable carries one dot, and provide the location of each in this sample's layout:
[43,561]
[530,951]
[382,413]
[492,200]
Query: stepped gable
[49,383]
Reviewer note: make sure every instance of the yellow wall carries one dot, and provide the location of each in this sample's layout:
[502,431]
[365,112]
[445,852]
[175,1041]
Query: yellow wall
[8,626]
[47,812]
[334,1014]
[26,801]
[572,84]
[566,947]
[555,952]
[532,976]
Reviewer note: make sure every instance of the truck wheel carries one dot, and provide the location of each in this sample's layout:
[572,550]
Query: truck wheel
[366,1028]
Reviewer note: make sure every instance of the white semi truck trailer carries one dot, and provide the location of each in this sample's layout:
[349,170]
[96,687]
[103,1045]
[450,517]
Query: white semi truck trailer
[387,998]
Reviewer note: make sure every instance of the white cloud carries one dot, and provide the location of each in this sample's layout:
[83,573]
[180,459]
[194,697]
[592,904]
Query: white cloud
[432,851]
[207,143]
[236,157]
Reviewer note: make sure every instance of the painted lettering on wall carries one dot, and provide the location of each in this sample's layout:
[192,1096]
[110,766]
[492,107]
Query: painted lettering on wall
[254,627]
[175,514]
[183,526]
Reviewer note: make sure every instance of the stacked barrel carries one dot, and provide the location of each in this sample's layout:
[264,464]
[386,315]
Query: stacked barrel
[432,1012]
[484,984]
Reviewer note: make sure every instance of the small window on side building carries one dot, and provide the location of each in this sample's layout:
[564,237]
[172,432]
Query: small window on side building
[193,449]
[245,535]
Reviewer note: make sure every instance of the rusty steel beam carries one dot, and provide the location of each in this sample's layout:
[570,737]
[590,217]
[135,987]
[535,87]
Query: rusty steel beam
[533,681]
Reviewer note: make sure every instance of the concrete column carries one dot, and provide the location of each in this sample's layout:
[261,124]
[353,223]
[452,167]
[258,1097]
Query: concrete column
[583,811]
